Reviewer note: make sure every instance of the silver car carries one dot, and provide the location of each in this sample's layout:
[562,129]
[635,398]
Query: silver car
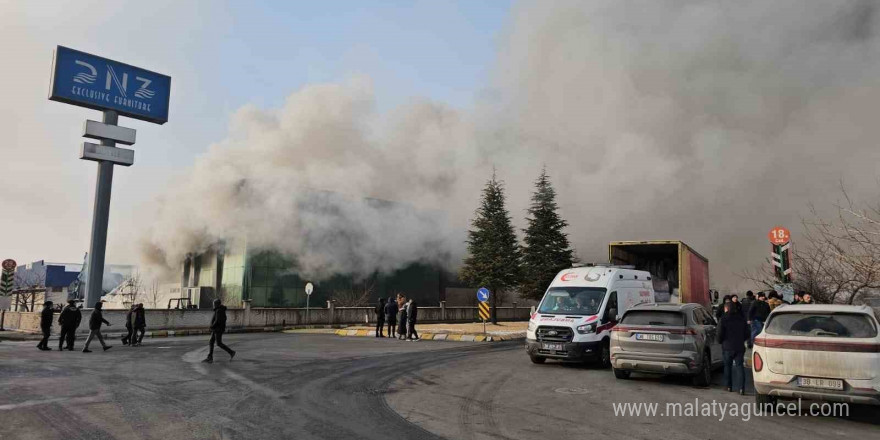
[666,338]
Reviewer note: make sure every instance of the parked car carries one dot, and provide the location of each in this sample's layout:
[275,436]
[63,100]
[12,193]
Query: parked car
[818,352]
[582,304]
[666,338]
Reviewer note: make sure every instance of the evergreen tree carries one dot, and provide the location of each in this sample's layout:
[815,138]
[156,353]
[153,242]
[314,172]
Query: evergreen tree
[494,257]
[546,250]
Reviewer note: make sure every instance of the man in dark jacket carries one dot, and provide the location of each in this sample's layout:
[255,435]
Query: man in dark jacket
[401,316]
[126,340]
[95,322]
[45,325]
[758,313]
[733,332]
[391,316]
[69,320]
[412,315]
[380,318]
[139,324]
[218,327]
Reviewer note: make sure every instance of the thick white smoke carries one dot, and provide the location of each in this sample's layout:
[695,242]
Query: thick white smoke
[705,121]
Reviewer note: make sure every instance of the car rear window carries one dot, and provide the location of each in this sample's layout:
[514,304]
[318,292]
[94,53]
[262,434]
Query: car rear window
[654,317]
[830,325]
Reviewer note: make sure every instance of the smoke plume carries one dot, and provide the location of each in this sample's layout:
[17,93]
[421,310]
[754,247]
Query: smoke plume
[705,121]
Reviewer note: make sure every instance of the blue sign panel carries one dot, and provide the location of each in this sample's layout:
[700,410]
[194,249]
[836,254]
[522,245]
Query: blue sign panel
[90,81]
[483,294]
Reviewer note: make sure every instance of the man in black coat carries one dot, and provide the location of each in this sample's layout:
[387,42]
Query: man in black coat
[391,316]
[757,316]
[380,318]
[95,322]
[45,325]
[140,324]
[218,327]
[129,329]
[733,332]
[69,320]
[412,315]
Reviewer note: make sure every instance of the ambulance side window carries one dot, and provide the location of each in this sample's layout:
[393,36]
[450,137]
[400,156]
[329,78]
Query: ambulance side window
[612,304]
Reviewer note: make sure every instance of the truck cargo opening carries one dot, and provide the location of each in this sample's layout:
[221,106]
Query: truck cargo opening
[680,274]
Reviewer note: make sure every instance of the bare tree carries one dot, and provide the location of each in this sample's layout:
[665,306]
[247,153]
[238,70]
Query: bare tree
[131,289]
[153,294]
[838,260]
[27,286]
[358,295]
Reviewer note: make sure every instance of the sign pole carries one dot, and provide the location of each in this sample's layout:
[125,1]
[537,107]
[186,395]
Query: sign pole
[100,220]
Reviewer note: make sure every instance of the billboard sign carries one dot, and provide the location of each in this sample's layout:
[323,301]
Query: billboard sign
[87,80]
[119,156]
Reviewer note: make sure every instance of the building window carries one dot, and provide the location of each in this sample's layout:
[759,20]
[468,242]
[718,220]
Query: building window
[56,289]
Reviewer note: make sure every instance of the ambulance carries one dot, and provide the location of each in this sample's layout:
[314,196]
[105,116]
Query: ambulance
[574,319]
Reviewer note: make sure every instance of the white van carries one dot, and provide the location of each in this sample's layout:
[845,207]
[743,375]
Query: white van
[574,320]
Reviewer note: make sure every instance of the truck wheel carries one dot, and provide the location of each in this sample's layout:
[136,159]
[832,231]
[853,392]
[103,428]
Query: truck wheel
[605,355]
[620,374]
[537,359]
[704,377]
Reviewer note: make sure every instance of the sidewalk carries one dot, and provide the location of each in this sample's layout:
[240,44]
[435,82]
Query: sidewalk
[471,332]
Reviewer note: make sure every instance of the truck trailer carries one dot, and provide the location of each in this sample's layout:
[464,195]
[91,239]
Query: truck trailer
[679,273]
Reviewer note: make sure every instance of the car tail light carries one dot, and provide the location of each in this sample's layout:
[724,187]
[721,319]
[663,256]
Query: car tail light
[757,362]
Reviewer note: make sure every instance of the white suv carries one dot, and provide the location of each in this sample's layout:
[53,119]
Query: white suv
[818,352]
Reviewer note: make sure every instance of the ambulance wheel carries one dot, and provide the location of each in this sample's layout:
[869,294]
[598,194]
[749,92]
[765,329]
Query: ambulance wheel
[537,359]
[621,374]
[605,355]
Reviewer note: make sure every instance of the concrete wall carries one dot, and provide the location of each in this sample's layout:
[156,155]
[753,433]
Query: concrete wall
[259,317]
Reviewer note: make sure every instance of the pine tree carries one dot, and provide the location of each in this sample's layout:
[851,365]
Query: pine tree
[494,256]
[546,250]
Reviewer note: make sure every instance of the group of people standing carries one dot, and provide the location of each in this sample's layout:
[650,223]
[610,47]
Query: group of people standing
[738,325]
[400,314]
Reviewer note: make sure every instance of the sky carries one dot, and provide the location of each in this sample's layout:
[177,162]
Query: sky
[221,56]
[699,121]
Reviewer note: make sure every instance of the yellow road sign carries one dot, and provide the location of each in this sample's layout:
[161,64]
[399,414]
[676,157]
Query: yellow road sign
[484,310]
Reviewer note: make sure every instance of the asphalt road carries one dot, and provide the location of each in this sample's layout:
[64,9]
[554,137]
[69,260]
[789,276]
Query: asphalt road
[327,387]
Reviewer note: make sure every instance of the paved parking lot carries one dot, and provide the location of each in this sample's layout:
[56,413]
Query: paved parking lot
[309,386]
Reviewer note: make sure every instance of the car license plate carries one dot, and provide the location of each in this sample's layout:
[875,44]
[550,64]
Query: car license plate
[813,382]
[649,337]
[554,347]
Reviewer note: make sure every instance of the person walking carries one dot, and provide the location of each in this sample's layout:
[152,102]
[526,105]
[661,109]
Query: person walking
[758,313]
[380,318]
[129,328]
[69,320]
[45,325]
[719,311]
[95,322]
[218,327]
[807,299]
[391,316]
[401,316]
[140,325]
[412,314]
[733,332]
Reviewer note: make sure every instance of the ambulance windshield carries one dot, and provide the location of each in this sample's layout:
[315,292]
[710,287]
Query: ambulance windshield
[572,300]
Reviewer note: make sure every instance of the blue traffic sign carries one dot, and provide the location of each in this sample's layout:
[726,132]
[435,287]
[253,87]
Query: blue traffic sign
[483,294]
[90,81]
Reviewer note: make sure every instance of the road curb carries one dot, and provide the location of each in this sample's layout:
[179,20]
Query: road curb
[462,337]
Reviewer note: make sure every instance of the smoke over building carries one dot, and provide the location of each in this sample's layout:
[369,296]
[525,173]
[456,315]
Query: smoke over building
[704,121]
